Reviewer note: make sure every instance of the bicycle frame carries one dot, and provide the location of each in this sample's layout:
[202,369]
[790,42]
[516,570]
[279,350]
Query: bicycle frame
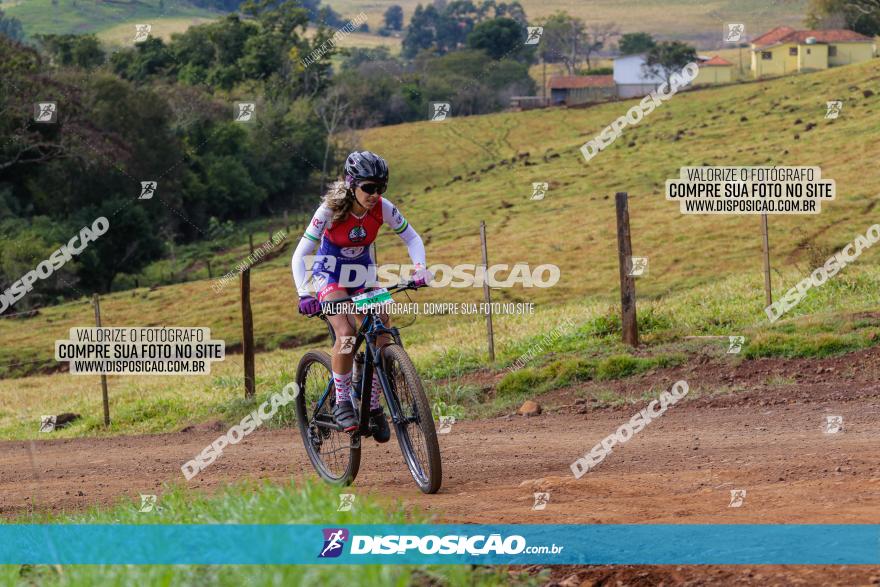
[370,329]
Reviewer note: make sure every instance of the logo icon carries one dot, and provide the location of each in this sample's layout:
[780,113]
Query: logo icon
[534,35]
[833,424]
[334,540]
[833,109]
[148,503]
[351,252]
[357,234]
[539,190]
[735,344]
[142,32]
[346,501]
[735,32]
[47,423]
[439,111]
[541,501]
[346,344]
[446,423]
[321,263]
[148,188]
[45,112]
[638,266]
[245,112]
[737,498]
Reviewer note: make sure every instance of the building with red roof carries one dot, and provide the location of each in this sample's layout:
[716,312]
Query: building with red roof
[714,70]
[785,50]
[581,89]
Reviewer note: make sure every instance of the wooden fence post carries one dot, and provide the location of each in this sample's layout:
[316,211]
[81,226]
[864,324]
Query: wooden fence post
[765,238]
[629,322]
[247,336]
[104,395]
[486,295]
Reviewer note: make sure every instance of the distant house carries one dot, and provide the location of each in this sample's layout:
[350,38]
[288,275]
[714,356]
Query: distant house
[714,70]
[581,89]
[518,103]
[785,50]
[632,78]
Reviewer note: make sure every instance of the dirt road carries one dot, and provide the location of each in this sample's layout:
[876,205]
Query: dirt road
[766,437]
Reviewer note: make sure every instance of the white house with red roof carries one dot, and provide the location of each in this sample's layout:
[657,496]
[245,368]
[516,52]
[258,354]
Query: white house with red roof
[634,78]
[784,50]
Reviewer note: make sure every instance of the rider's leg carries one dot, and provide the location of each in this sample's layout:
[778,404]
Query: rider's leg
[379,424]
[341,362]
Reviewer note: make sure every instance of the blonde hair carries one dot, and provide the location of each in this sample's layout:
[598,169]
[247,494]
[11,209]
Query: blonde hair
[339,199]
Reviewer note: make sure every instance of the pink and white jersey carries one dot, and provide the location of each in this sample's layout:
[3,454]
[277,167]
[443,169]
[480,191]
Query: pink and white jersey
[351,238]
[349,241]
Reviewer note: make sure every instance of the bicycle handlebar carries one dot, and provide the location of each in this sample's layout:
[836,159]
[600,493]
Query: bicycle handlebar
[395,288]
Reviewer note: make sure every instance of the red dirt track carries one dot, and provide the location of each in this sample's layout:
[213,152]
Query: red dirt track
[766,438]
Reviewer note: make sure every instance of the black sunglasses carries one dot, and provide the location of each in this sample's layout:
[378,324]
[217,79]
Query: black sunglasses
[372,188]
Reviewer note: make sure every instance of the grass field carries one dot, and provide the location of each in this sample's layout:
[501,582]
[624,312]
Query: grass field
[691,20]
[367,40]
[704,276]
[123,34]
[834,319]
[89,16]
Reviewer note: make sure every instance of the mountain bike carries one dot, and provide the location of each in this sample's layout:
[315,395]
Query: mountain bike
[336,454]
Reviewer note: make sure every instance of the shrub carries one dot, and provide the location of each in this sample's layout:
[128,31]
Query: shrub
[522,382]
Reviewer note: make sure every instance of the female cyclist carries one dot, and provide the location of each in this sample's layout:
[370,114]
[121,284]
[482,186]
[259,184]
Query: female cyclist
[345,225]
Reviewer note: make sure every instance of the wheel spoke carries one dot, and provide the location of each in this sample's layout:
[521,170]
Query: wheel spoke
[329,448]
[413,436]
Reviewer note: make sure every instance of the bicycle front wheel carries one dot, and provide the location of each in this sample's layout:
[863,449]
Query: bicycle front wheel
[415,430]
[335,454]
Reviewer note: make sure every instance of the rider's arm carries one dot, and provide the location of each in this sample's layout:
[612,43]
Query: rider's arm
[310,239]
[395,220]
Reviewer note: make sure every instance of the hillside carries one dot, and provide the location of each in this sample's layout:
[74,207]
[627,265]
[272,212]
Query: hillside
[497,157]
[78,17]
[689,20]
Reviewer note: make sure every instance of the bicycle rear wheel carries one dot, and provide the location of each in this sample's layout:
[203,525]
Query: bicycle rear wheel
[415,432]
[335,454]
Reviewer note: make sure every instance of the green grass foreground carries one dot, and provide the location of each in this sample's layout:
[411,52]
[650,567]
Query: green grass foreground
[253,503]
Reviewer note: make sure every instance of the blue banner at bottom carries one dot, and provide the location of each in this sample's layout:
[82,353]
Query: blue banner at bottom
[511,544]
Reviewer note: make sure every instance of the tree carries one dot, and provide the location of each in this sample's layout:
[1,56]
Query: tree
[512,10]
[331,109]
[598,36]
[500,37]
[10,27]
[145,59]
[442,27]
[862,16]
[77,50]
[563,40]
[635,43]
[668,57]
[421,32]
[394,17]
[286,19]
